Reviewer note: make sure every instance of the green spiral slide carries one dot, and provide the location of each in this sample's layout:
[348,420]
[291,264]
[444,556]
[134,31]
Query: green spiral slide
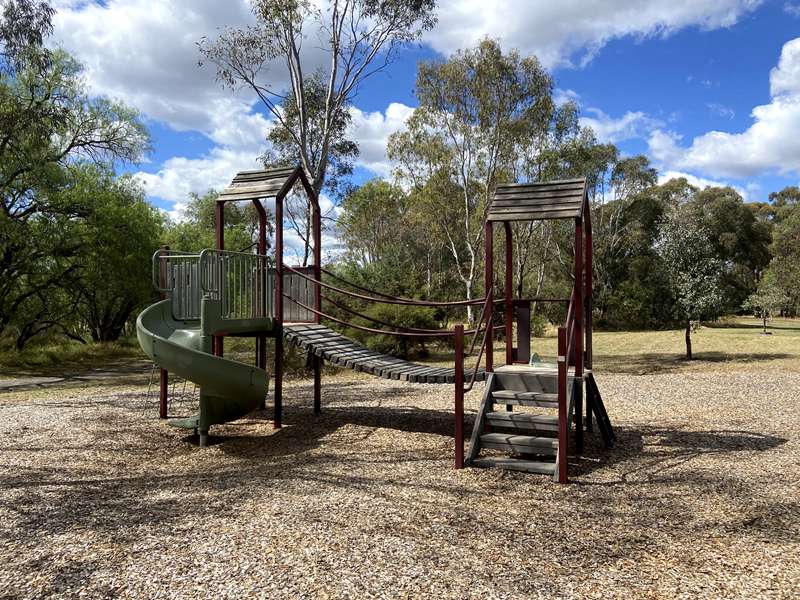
[228,389]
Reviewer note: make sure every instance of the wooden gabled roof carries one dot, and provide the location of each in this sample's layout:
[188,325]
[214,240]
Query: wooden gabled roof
[538,201]
[254,185]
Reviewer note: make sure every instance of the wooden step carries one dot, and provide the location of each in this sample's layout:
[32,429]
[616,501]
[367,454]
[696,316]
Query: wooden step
[520,444]
[513,464]
[540,399]
[519,420]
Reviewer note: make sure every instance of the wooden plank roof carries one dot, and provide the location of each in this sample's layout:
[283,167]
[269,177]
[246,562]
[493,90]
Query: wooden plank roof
[538,201]
[254,185]
[344,352]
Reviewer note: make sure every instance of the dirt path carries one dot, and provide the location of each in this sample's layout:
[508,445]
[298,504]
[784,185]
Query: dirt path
[113,375]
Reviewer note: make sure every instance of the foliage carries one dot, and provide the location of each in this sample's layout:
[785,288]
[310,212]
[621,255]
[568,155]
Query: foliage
[784,268]
[118,237]
[767,301]
[476,111]
[395,316]
[739,240]
[693,269]
[24,26]
[380,228]
[196,228]
[49,128]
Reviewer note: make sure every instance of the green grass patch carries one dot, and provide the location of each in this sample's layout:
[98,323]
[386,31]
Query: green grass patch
[57,357]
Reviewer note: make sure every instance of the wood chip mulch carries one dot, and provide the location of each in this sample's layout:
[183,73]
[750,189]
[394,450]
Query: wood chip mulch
[700,498]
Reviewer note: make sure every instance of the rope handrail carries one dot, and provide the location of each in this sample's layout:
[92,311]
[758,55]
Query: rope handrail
[474,376]
[398,301]
[435,333]
[401,300]
[374,320]
[433,302]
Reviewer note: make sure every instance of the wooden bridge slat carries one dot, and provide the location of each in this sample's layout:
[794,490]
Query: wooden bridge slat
[342,351]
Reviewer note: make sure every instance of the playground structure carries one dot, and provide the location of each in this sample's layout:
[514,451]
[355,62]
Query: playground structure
[215,293]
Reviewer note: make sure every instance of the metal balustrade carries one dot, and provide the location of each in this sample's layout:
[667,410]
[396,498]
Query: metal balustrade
[244,283]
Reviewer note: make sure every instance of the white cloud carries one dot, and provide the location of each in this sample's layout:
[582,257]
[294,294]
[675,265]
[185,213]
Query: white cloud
[720,110]
[629,126]
[770,144]
[702,183]
[179,176]
[574,30]
[241,138]
[372,130]
[784,79]
[145,53]
[792,8]
[561,96]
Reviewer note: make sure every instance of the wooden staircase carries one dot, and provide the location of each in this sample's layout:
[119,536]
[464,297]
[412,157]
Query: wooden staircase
[518,415]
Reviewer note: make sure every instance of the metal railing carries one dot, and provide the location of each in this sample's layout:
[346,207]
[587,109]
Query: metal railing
[176,275]
[244,283]
[240,281]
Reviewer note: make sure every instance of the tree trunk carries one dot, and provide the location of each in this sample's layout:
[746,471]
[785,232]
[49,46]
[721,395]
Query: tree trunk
[470,315]
[688,340]
[765,322]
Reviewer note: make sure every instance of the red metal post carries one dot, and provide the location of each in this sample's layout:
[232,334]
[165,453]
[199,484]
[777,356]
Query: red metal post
[163,375]
[317,361]
[561,458]
[509,273]
[278,397]
[489,287]
[163,388]
[589,284]
[578,335]
[261,340]
[459,397]
[218,343]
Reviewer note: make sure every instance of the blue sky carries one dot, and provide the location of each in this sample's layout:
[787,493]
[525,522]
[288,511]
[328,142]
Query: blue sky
[708,89]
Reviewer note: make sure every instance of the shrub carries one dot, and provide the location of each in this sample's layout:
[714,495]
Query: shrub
[397,316]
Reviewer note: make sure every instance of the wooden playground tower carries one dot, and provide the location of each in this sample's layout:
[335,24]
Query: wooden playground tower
[558,387]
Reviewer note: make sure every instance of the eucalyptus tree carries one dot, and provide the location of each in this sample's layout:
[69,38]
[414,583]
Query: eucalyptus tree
[767,301]
[460,141]
[350,40]
[694,271]
[739,239]
[784,268]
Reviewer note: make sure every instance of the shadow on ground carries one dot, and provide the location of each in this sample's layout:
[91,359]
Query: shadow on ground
[650,363]
[660,451]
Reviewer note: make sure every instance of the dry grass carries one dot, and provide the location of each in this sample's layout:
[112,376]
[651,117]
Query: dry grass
[733,345]
[699,499]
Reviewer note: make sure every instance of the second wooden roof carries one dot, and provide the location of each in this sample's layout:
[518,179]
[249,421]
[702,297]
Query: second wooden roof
[538,201]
